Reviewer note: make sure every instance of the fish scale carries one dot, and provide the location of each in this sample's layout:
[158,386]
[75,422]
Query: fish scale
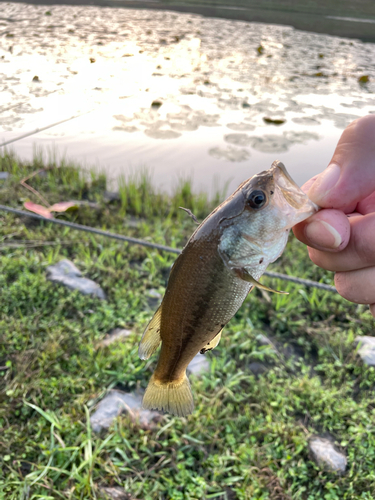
[222,261]
[213,295]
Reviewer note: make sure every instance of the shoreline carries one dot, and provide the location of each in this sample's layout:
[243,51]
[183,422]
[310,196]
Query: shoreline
[342,21]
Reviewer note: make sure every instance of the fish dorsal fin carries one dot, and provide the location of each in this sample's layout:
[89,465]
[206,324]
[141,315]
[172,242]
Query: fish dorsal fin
[246,276]
[212,344]
[151,337]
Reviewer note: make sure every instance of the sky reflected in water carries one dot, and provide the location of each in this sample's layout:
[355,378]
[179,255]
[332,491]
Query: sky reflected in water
[183,95]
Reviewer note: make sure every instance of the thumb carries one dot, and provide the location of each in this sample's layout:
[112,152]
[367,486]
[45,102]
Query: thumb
[350,176]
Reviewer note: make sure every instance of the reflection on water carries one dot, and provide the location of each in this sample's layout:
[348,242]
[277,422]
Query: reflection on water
[352,19]
[179,93]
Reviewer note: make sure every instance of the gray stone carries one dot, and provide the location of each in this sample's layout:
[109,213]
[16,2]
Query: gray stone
[4,176]
[117,334]
[67,274]
[114,493]
[153,298]
[325,454]
[117,402]
[134,222]
[366,349]
[257,368]
[111,196]
[198,365]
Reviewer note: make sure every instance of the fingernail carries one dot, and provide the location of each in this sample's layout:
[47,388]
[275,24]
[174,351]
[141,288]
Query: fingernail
[322,234]
[324,183]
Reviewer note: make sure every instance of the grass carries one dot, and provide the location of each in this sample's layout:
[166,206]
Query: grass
[248,437]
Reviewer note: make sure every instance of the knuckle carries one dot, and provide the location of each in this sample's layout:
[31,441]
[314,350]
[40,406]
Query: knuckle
[344,285]
[322,259]
[364,243]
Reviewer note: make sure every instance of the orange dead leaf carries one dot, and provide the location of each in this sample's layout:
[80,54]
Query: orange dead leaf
[38,209]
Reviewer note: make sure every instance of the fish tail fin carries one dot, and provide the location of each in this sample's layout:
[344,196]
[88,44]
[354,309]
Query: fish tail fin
[173,397]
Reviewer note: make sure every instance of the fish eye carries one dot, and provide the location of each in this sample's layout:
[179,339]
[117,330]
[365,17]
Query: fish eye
[257,199]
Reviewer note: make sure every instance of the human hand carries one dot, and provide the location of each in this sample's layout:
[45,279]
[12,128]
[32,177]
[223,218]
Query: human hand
[341,237]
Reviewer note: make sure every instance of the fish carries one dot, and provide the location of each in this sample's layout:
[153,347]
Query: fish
[220,264]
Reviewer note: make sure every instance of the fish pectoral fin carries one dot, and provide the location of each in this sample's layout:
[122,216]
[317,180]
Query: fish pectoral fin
[212,343]
[151,337]
[246,276]
[173,397]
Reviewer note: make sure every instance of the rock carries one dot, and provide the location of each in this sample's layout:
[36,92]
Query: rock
[114,493]
[117,334]
[326,455]
[198,365]
[134,222]
[366,349]
[67,274]
[257,368]
[117,402]
[153,298]
[111,196]
[4,176]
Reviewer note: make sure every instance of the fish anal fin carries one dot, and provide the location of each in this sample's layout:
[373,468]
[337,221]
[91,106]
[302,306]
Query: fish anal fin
[212,344]
[246,276]
[151,337]
[173,397]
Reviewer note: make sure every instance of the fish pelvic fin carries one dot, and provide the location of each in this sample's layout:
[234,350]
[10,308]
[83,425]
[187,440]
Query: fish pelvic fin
[212,344]
[246,276]
[151,337]
[172,397]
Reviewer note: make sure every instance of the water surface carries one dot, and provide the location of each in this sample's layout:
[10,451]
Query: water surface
[183,95]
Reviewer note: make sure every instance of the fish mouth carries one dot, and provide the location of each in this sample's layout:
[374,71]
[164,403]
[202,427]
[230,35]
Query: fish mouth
[293,194]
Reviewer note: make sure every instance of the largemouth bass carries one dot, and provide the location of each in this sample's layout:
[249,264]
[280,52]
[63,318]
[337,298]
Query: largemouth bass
[222,261]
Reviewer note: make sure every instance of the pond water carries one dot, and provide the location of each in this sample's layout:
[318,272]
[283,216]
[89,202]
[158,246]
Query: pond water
[179,94]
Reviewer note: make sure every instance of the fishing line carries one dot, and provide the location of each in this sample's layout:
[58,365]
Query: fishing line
[163,248]
[37,130]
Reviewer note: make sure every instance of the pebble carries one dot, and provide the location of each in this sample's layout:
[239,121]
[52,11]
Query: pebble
[113,493]
[153,298]
[366,349]
[325,454]
[111,196]
[198,365]
[257,368]
[67,274]
[117,402]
